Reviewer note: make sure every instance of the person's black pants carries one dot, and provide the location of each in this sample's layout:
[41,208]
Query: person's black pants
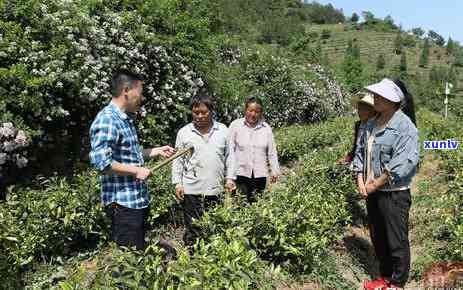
[194,206]
[388,214]
[251,186]
[128,225]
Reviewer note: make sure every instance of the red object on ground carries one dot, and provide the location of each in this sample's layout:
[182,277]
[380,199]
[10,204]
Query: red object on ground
[377,284]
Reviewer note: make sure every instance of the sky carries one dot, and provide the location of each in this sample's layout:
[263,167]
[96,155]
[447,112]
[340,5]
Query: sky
[443,16]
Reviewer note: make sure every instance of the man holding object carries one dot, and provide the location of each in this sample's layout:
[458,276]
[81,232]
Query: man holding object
[117,154]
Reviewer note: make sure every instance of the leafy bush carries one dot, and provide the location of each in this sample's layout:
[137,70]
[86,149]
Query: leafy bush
[435,127]
[58,58]
[49,220]
[295,141]
[291,93]
[293,224]
[220,264]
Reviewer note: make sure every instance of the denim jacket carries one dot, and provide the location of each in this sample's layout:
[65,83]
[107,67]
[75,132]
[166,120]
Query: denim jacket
[395,150]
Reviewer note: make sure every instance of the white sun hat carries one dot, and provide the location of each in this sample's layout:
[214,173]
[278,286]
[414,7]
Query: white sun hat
[387,89]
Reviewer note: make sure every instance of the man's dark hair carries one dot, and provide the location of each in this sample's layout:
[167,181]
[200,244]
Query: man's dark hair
[202,97]
[253,100]
[122,79]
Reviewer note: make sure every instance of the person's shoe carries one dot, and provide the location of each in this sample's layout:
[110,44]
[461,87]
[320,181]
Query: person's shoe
[377,284]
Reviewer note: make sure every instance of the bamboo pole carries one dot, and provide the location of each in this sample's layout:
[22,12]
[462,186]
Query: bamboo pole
[179,153]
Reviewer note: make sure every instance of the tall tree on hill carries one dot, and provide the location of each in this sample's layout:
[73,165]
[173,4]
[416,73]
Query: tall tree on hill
[398,43]
[369,18]
[354,18]
[436,37]
[450,46]
[403,66]
[418,31]
[352,68]
[424,57]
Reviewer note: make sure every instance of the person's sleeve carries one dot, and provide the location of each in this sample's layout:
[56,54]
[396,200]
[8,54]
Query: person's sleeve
[178,163]
[358,162]
[103,138]
[405,156]
[232,164]
[229,157]
[273,155]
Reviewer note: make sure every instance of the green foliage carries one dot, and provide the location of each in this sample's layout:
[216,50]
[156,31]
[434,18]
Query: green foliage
[424,57]
[51,220]
[354,18]
[436,38]
[409,40]
[377,24]
[380,62]
[418,31]
[438,128]
[291,93]
[219,264]
[450,47]
[325,34]
[400,71]
[322,14]
[293,225]
[297,140]
[352,68]
[398,43]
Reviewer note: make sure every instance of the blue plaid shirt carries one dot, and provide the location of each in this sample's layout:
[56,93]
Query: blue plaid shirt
[113,137]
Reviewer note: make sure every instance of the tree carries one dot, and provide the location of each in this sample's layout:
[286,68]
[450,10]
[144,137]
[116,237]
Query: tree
[354,18]
[352,68]
[389,22]
[424,57]
[380,62]
[403,66]
[436,37]
[355,50]
[398,43]
[458,56]
[418,31]
[450,46]
[369,17]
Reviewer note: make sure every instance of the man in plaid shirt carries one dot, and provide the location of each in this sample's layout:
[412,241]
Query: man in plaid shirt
[117,154]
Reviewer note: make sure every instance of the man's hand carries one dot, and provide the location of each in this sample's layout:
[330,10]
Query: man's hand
[164,151]
[179,192]
[142,173]
[274,178]
[371,186]
[230,185]
[361,187]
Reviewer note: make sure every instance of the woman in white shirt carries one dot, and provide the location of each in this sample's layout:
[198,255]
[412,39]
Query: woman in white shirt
[252,146]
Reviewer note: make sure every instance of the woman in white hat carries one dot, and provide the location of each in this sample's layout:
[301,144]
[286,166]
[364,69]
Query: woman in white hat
[365,110]
[385,162]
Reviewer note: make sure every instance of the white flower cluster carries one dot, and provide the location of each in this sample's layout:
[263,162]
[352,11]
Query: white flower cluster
[291,93]
[230,56]
[70,55]
[13,143]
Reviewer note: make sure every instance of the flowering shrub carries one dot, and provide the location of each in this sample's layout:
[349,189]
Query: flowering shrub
[291,93]
[13,148]
[59,57]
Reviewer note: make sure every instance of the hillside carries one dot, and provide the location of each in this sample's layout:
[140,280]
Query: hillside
[373,43]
